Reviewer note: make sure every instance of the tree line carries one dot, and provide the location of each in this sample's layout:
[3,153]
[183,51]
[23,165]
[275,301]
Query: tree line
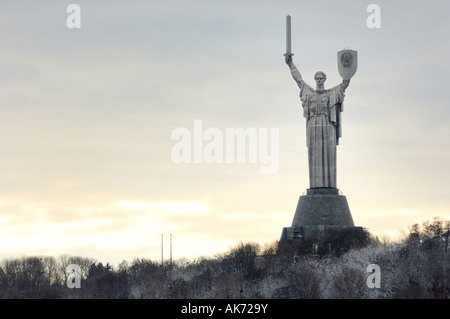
[328,264]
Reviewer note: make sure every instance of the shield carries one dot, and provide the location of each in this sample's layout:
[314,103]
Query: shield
[347,63]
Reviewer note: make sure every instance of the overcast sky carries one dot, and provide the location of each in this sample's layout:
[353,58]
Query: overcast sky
[86,117]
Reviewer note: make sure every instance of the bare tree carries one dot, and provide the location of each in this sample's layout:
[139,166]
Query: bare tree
[241,259]
[349,284]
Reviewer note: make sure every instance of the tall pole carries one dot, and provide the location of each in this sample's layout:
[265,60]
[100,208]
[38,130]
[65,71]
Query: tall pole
[171,249]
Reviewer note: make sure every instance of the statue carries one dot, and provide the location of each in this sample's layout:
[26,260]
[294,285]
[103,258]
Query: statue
[322,109]
[323,206]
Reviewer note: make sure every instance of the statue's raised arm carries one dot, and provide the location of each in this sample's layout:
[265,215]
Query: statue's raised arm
[294,71]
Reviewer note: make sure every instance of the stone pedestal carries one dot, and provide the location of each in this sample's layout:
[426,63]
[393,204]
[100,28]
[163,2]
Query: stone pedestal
[319,209]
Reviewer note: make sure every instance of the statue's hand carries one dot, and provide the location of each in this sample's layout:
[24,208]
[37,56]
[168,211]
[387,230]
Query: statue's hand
[288,59]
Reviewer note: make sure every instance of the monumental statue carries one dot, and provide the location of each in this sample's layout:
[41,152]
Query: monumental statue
[323,206]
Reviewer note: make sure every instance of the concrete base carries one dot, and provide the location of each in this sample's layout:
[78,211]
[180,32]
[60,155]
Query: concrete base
[319,209]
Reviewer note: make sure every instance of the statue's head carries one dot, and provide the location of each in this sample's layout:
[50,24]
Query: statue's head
[320,78]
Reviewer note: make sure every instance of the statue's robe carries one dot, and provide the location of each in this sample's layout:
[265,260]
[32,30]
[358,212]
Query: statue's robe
[322,110]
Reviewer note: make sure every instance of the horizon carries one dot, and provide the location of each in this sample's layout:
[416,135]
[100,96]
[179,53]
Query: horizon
[396,239]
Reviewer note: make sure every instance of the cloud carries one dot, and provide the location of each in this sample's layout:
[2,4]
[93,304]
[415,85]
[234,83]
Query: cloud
[124,224]
[131,227]
[171,207]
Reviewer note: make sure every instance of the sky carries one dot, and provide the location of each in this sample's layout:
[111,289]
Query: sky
[87,116]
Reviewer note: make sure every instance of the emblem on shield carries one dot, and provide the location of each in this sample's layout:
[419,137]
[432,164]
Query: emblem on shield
[347,63]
